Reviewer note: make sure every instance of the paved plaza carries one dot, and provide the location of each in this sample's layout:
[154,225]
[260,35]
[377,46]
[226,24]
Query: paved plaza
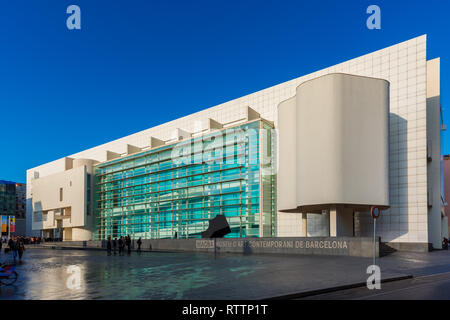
[430,287]
[157,275]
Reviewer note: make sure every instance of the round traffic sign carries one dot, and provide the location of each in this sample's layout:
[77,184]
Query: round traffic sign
[375,212]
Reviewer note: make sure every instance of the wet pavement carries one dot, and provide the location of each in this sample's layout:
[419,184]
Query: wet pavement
[430,287]
[157,275]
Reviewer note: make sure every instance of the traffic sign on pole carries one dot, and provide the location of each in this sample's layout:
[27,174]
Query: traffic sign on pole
[375,214]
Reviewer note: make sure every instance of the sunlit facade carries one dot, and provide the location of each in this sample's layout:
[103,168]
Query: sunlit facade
[362,133]
[180,187]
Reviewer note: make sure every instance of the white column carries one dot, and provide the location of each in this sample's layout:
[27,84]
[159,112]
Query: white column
[304,225]
[341,222]
[333,222]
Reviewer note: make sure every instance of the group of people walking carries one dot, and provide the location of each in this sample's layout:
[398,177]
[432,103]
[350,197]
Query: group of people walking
[121,244]
[15,246]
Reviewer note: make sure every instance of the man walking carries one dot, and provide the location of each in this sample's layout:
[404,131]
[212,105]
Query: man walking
[20,248]
[128,240]
[12,246]
[121,245]
[108,246]
[115,245]
[139,243]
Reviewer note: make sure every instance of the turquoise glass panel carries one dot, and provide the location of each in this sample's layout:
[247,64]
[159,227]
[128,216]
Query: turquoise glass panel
[153,194]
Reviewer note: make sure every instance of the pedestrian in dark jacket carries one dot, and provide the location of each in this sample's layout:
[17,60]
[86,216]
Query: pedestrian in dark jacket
[128,244]
[121,245]
[109,246]
[13,247]
[139,243]
[115,245]
[20,248]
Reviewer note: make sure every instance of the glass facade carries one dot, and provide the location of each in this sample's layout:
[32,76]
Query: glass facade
[7,198]
[181,186]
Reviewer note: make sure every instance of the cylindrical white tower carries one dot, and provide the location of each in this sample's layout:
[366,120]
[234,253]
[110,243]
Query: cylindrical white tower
[334,149]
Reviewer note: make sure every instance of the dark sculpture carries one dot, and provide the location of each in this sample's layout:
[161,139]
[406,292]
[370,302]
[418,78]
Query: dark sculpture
[218,227]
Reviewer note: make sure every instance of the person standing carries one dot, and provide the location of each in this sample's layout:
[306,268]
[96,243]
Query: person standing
[20,248]
[115,245]
[120,245]
[128,240]
[13,248]
[139,243]
[108,246]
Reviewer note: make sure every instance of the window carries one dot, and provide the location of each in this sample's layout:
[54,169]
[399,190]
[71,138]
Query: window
[60,194]
[169,196]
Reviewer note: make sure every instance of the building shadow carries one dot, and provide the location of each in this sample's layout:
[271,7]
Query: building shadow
[393,223]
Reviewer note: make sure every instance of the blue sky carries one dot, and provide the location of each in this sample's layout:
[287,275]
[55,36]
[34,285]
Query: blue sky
[136,64]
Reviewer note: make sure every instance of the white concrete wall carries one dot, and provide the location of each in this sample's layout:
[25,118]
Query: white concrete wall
[46,197]
[337,128]
[403,65]
[287,156]
[435,218]
[42,171]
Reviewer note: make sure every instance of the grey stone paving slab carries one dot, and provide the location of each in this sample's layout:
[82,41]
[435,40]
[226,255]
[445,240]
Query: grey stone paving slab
[43,274]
